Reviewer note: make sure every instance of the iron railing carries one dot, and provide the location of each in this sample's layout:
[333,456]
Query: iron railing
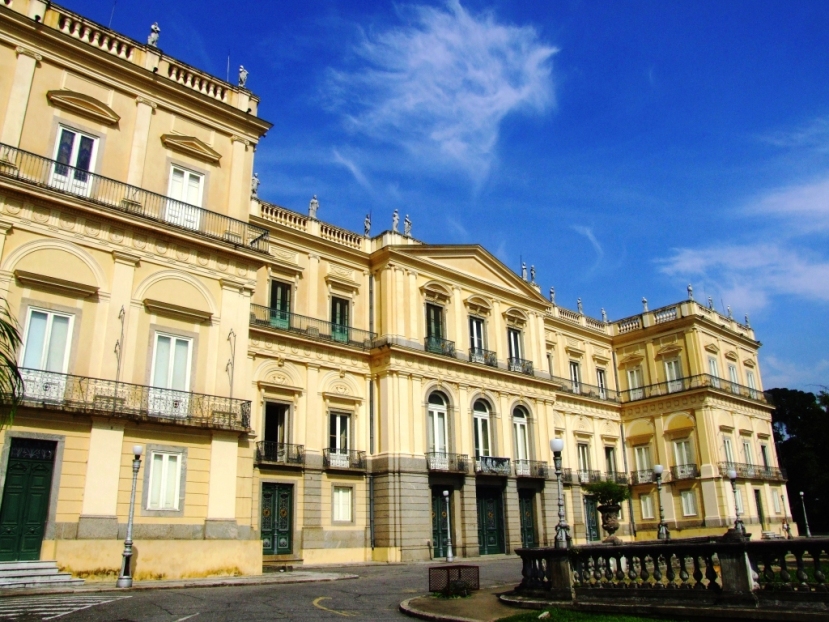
[45,173]
[520,365]
[589,476]
[699,381]
[271,452]
[489,465]
[616,476]
[438,345]
[348,459]
[531,468]
[568,477]
[753,471]
[444,461]
[81,394]
[267,317]
[684,471]
[486,357]
[588,390]
[642,476]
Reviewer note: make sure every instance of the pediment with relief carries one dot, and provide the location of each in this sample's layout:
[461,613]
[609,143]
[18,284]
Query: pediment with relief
[632,360]
[515,317]
[84,105]
[192,146]
[435,292]
[478,306]
[712,348]
[669,351]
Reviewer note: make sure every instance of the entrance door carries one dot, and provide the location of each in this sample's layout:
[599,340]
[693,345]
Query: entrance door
[591,519]
[490,521]
[26,499]
[277,501]
[440,532]
[525,508]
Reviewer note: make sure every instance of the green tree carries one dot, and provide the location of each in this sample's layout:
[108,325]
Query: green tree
[801,433]
[11,382]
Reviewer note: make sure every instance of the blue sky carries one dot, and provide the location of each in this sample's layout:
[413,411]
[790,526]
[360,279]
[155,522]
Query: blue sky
[624,149]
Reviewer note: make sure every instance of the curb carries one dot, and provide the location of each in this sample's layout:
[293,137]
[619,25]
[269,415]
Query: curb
[407,609]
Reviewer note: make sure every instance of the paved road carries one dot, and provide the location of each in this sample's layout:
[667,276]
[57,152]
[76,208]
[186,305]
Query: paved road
[373,596]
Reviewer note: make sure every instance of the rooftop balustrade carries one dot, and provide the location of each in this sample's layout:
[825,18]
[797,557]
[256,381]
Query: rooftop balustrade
[276,319]
[689,383]
[129,200]
[94,396]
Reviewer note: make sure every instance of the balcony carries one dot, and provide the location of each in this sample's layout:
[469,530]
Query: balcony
[438,345]
[488,465]
[485,357]
[344,459]
[588,477]
[94,396]
[615,476]
[531,468]
[642,476]
[129,200]
[684,471]
[753,471]
[265,317]
[567,476]
[587,390]
[273,453]
[520,365]
[446,462]
[700,381]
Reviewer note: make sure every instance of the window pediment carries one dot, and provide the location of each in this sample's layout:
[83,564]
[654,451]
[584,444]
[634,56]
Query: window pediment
[166,308]
[731,355]
[712,348]
[476,305]
[749,363]
[43,281]
[515,318]
[192,146]
[435,292]
[671,351]
[84,105]
[632,360]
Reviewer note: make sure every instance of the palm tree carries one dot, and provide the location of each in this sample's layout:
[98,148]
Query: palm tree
[11,382]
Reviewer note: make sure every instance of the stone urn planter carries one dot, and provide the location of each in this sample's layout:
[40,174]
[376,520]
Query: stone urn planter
[610,521]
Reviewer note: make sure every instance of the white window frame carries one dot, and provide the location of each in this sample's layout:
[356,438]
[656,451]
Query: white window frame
[635,383]
[436,419]
[714,372]
[601,381]
[775,499]
[751,383]
[733,376]
[610,465]
[165,465]
[482,431]
[514,343]
[575,376]
[646,506]
[689,502]
[477,334]
[180,212]
[728,449]
[683,452]
[338,456]
[50,315]
[173,337]
[748,454]
[521,434]
[642,456]
[673,375]
[342,504]
[65,182]
[583,455]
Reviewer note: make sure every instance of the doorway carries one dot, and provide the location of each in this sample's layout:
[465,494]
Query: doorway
[277,508]
[490,521]
[440,528]
[591,519]
[526,501]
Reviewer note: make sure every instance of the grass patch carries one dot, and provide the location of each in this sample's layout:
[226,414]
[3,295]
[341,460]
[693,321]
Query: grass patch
[569,615]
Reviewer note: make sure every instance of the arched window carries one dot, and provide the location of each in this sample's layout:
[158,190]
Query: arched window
[480,415]
[437,423]
[519,427]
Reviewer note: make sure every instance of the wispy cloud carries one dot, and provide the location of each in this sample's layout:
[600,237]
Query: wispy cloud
[440,86]
[457,226]
[805,207]
[588,233]
[814,134]
[808,376]
[352,168]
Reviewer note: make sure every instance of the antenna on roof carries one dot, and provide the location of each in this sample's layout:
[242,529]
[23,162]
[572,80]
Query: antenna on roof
[112,14]
[227,79]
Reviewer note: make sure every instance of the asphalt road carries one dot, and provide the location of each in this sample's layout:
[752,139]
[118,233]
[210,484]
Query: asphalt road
[375,595]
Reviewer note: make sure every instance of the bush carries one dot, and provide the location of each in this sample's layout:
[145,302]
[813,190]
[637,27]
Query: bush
[608,493]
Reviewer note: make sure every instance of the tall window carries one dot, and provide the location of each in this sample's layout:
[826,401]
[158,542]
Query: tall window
[729,450]
[601,380]
[689,503]
[339,319]
[575,376]
[280,308]
[476,335]
[635,383]
[46,346]
[437,424]
[342,504]
[673,374]
[682,452]
[75,154]
[186,193]
[646,503]
[732,376]
[714,372]
[764,456]
[775,498]
[519,426]
[643,457]
[583,450]
[514,342]
[165,475]
[171,374]
[752,383]
[747,453]
[434,321]
[480,415]
[339,433]
[276,422]
[610,459]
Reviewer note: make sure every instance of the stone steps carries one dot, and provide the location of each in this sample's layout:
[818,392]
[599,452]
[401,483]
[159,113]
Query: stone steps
[34,574]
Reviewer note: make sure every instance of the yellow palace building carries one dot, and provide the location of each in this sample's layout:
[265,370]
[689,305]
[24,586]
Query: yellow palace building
[304,393]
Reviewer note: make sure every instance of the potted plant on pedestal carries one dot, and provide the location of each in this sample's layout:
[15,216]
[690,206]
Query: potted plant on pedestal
[610,496]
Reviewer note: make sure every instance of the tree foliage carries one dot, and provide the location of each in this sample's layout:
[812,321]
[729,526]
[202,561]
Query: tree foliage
[801,433]
[608,492]
[11,382]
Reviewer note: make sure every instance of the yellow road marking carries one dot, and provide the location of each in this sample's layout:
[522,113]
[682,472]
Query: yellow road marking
[339,613]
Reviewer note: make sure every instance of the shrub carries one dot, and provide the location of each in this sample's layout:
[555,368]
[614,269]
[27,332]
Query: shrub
[608,493]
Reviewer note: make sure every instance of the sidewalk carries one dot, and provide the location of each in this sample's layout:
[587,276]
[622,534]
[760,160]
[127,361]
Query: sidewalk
[299,576]
[482,606]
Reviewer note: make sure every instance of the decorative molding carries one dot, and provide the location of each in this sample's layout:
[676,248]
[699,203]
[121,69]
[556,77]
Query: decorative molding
[478,305]
[749,363]
[84,105]
[41,281]
[166,308]
[712,348]
[240,139]
[144,100]
[125,258]
[191,146]
[435,292]
[335,280]
[329,396]
[731,355]
[669,351]
[20,50]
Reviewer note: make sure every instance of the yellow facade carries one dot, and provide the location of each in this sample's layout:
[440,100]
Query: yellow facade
[303,392]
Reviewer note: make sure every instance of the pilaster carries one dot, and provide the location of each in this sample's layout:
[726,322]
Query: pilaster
[21,88]
[140,137]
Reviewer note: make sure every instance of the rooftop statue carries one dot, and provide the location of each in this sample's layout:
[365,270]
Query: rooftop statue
[313,206]
[532,273]
[407,226]
[523,271]
[155,31]
[243,76]
[395,220]
[367,225]
[254,186]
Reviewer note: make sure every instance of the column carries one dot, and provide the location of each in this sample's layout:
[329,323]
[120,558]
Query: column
[99,518]
[221,496]
[238,204]
[500,340]
[512,517]
[461,338]
[417,415]
[106,366]
[415,308]
[21,88]
[140,137]
[313,283]
[399,297]
[467,525]
[463,425]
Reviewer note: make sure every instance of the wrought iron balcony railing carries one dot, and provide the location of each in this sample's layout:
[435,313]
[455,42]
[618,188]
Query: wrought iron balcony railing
[753,471]
[137,202]
[276,319]
[347,459]
[520,365]
[271,452]
[444,461]
[568,477]
[94,396]
[692,382]
[489,465]
[486,357]
[588,390]
[531,468]
[684,471]
[642,476]
[589,477]
[438,345]
[616,476]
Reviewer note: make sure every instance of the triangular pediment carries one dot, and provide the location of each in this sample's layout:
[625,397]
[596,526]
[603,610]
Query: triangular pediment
[84,105]
[192,146]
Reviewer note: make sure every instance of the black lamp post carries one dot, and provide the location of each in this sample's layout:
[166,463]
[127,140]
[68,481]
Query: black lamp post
[562,540]
[805,518]
[739,527]
[662,532]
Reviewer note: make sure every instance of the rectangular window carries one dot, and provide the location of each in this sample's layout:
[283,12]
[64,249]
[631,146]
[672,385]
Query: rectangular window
[514,343]
[673,375]
[682,452]
[764,455]
[635,384]
[575,376]
[434,321]
[437,429]
[339,433]
[519,426]
[339,319]
[643,457]
[646,503]
[689,503]
[739,501]
[732,376]
[601,380]
[584,462]
[476,335]
[610,459]
[481,437]
[280,307]
[778,508]
[48,335]
[276,423]
[752,383]
[75,154]
[169,395]
[342,504]
[714,372]
[747,454]
[185,192]
[165,472]
[729,451]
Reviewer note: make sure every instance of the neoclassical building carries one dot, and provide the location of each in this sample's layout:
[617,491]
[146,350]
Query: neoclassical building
[305,393]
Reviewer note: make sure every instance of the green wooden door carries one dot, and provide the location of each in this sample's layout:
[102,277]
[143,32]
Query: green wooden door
[525,507]
[277,502]
[591,519]
[490,521]
[440,532]
[26,499]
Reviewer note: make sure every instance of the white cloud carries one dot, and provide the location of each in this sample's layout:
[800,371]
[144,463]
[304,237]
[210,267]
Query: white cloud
[588,233]
[814,134]
[352,168]
[441,85]
[778,372]
[805,207]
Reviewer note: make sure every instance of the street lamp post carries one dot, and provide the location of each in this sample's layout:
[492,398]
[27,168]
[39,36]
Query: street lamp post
[662,532]
[739,527]
[786,526]
[449,557]
[805,518]
[562,529]
[125,578]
